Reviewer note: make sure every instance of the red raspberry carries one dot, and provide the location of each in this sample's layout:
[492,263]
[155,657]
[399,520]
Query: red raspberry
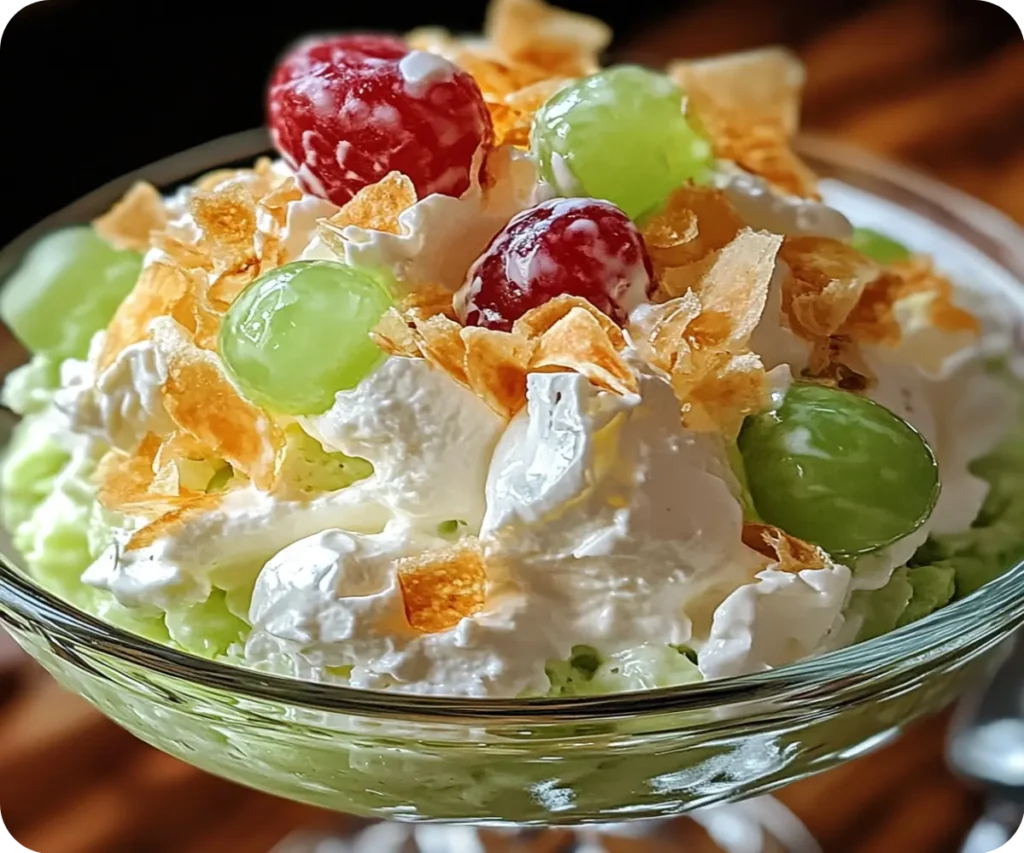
[346,110]
[580,246]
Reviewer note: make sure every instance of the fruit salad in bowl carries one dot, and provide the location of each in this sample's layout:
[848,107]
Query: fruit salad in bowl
[508,377]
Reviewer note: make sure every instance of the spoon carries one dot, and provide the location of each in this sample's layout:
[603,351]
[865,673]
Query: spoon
[986,745]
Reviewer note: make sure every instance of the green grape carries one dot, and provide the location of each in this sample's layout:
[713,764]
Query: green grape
[620,135]
[878,247]
[67,288]
[838,470]
[206,629]
[300,333]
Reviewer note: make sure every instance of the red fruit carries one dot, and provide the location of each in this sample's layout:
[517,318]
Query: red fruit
[346,110]
[579,246]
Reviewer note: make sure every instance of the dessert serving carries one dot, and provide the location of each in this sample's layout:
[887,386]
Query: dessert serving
[511,376]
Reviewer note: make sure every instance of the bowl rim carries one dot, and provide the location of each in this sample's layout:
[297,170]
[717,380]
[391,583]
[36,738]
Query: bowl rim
[979,620]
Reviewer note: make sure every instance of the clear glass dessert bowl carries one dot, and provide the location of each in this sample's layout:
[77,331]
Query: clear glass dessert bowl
[541,761]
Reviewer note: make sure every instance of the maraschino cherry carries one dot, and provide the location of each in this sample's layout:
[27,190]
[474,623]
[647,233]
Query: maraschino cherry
[346,110]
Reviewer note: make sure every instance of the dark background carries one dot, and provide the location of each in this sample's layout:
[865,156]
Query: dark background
[100,87]
[90,89]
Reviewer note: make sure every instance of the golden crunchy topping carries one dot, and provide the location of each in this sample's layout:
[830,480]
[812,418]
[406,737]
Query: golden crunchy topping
[531,51]
[578,343]
[226,218]
[496,368]
[749,105]
[681,237]
[161,291]
[377,207]
[537,321]
[130,222]
[201,400]
[763,85]
[787,553]
[565,334]
[440,588]
[701,339]
[166,524]
[920,277]
[532,33]
[827,279]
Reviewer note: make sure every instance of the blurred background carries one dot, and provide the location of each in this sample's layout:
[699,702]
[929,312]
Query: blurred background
[90,89]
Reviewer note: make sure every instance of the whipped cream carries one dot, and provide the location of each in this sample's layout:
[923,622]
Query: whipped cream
[420,70]
[429,439]
[763,207]
[441,236]
[781,618]
[224,546]
[610,514]
[601,510]
[121,404]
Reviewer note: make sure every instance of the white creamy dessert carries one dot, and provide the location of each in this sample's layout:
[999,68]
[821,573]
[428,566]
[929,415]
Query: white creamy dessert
[456,440]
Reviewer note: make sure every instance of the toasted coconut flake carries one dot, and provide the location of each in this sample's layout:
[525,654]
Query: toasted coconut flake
[734,290]
[535,322]
[441,343]
[162,290]
[377,207]
[578,343]
[496,365]
[764,85]
[123,479]
[749,105]
[532,32]
[440,588]
[428,301]
[395,336]
[919,276]
[226,218]
[202,401]
[130,222]
[694,221]
[168,522]
[722,390]
[787,553]
[181,253]
[827,280]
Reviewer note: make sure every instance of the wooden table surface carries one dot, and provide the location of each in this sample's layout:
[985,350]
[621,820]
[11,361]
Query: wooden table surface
[938,85]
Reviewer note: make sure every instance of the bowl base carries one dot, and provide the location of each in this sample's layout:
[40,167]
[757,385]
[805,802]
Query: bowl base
[759,825]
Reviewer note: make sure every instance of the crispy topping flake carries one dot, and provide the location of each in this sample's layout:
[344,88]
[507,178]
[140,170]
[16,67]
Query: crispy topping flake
[701,338]
[130,222]
[377,207]
[749,104]
[440,588]
[567,333]
[201,400]
[787,553]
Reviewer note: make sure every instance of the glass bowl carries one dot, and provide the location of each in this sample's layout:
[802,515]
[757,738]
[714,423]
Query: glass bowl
[581,760]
